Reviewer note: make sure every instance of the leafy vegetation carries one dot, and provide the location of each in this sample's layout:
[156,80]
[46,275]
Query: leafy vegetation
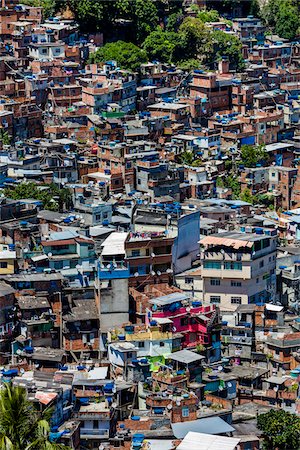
[232,182]
[156,30]
[188,158]
[208,15]
[49,6]
[4,137]
[127,55]
[161,45]
[230,46]
[195,39]
[21,426]
[52,197]
[283,16]
[253,155]
[281,430]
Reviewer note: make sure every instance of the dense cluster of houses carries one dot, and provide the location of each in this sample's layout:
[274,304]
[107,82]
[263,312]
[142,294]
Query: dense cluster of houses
[155,310]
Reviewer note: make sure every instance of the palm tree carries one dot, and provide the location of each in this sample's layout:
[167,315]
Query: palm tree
[21,426]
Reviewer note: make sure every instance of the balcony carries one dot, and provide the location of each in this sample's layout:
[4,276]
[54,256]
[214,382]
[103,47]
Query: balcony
[152,335]
[90,433]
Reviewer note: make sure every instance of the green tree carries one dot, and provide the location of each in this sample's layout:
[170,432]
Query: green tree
[233,183]
[196,38]
[145,18]
[21,426]
[220,182]
[94,15]
[208,15]
[283,16]
[228,45]
[52,197]
[160,45]
[246,196]
[189,64]
[255,8]
[287,21]
[4,137]
[186,157]
[281,430]
[252,155]
[127,55]
[174,21]
[49,6]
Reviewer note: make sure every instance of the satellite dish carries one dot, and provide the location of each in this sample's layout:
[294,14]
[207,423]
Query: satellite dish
[169,406]
[49,254]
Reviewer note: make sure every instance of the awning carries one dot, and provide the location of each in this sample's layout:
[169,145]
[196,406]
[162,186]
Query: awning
[162,320]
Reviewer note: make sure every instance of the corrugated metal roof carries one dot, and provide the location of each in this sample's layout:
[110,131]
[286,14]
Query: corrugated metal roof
[185,356]
[170,298]
[208,425]
[234,243]
[202,441]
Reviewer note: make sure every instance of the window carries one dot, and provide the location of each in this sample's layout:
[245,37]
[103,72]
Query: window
[212,265]
[95,424]
[257,280]
[215,299]
[3,265]
[161,344]
[266,243]
[236,300]
[236,283]
[185,411]
[105,215]
[261,264]
[215,282]
[139,181]
[229,265]
[184,321]
[141,344]
[98,216]
[188,280]
[135,253]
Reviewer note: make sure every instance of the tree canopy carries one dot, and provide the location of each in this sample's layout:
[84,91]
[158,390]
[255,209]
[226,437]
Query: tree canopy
[161,45]
[52,197]
[225,44]
[196,38]
[253,155]
[208,15]
[21,426]
[49,6]
[127,55]
[283,16]
[281,430]
[102,15]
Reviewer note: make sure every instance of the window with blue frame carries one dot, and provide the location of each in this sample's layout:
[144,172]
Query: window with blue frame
[212,265]
[230,265]
[185,411]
